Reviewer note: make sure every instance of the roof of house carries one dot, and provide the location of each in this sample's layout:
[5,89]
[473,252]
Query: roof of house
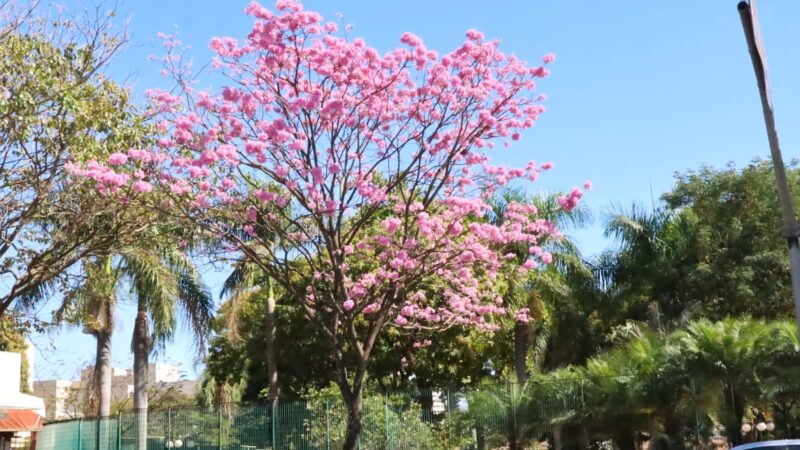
[20,420]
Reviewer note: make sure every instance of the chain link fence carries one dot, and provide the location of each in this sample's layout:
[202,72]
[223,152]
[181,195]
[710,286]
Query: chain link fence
[618,412]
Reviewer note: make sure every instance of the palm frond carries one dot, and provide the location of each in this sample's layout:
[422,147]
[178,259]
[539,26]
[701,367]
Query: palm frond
[192,297]
[155,287]
[36,294]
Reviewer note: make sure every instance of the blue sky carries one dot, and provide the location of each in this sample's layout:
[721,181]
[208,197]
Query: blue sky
[639,91]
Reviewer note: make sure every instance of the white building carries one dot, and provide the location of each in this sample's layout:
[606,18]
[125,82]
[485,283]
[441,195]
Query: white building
[57,395]
[64,395]
[20,413]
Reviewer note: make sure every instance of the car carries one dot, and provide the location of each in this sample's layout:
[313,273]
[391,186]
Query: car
[784,444]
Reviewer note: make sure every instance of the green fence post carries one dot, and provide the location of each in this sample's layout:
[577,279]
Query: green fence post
[386,420]
[514,400]
[583,400]
[696,419]
[327,424]
[119,430]
[447,399]
[219,425]
[272,422]
[80,433]
[169,424]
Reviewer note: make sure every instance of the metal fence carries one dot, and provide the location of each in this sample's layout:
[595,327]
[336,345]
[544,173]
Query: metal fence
[608,413]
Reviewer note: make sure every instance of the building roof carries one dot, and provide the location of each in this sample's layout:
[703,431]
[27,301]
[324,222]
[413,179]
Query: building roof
[11,401]
[20,420]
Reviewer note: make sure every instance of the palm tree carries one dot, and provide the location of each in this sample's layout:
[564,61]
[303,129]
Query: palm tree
[245,281]
[655,264]
[164,282]
[725,359]
[534,291]
[248,279]
[92,304]
[493,411]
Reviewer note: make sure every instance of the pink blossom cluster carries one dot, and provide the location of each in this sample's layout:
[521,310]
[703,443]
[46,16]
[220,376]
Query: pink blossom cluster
[317,133]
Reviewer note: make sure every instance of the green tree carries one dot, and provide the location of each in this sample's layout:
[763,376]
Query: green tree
[712,249]
[12,339]
[538,293]
[164,281]
[248,281]
[56,105]
[236,357]
[727,357]
[92,305]
[675,388]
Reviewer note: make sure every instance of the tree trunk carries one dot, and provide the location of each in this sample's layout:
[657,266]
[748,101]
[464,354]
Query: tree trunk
[585,442]
[354,413]
[102,382]
[141,364]
[736,409]
[269,327]
[625,440]
[480,438]
[512,438]
[673,433]
[353,392]
[521,344]
[102,372]
[557,437]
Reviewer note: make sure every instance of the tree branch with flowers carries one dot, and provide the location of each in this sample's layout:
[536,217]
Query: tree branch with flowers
[368,174]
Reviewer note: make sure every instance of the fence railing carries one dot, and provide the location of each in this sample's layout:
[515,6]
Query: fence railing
[574,414]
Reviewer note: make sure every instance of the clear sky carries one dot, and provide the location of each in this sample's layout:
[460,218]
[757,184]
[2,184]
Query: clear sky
[640,90]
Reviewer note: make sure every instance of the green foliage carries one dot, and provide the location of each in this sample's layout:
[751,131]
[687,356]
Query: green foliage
[389,421]
[56,105]
[157,274]
[685,383]
[12,339]
[713,250]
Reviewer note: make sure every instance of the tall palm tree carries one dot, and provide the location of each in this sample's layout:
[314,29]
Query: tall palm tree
[247,280]
[532,292]
[165,283]
[653,267]
[92,305]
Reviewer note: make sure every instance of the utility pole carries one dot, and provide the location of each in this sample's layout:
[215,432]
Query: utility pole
[749,16]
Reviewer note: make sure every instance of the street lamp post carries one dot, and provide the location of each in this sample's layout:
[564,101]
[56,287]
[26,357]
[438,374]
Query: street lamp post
[791,229]
[758,426]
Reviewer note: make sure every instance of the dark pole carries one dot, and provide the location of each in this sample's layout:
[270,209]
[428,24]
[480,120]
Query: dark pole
[749,16]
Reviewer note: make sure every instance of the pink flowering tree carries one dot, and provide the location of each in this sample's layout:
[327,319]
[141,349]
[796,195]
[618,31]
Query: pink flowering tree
[367,175]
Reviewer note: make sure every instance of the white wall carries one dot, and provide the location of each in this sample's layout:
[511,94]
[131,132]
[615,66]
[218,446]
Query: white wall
[10,364]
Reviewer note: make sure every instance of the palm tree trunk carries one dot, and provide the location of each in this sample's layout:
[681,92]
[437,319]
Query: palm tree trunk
[557,437]
[102,372]
[102,382]
[625,439]
[269,327]
[735,411]
[480,437]
[141,354]
[585,442]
